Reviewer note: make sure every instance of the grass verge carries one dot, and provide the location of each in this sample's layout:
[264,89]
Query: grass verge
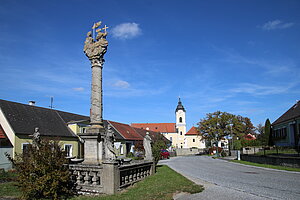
[7,185]
[162,185]
[9,190]
[267,166]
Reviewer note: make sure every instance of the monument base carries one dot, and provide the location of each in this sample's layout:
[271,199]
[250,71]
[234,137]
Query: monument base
[93,145]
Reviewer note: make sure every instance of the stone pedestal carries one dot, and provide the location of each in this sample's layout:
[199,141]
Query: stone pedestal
[111,177]
[93,145]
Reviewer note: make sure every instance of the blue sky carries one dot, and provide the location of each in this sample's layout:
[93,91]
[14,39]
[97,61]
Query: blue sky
[241,57]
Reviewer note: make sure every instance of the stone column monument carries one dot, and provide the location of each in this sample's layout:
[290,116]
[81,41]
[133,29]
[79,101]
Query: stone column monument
[95,46]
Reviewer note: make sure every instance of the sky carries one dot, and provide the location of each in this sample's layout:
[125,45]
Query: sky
[241,57]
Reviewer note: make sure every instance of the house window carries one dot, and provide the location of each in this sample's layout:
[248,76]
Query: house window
[83,130]
[25,147]
[68,149]
[180,119]
[193,140]
[171,139]
[180,132]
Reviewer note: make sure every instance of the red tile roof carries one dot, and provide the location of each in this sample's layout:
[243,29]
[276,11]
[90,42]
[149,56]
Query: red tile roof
[157,127]
[152,134]
[192,131]
[128,132]
[250,137]
[2,133]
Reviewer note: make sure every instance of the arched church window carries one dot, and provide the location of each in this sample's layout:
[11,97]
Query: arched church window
[180,119]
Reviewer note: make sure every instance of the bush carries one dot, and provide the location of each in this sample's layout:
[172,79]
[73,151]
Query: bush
[42,173]
[158,144]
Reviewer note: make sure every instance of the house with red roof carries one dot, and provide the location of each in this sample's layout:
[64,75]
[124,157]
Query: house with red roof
[193,139]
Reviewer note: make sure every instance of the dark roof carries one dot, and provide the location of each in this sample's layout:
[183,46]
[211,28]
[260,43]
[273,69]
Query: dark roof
[292,113]
[179,106]
[25,118]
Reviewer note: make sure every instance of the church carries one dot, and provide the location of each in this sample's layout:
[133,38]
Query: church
[176,132]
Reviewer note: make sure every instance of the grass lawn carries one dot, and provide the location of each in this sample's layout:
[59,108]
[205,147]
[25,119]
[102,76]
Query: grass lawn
[161,185]
[7,185]
[267,166]
[9,190]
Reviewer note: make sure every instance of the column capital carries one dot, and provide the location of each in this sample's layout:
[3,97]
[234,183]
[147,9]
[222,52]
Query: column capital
[97,62]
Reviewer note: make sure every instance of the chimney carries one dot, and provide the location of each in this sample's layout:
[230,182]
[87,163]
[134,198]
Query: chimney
[31,103]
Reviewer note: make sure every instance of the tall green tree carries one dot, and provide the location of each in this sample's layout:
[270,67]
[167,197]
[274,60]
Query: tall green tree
[268,133]
[262,136]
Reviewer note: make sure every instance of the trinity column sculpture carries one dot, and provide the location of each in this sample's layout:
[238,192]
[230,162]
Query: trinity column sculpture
[94,48]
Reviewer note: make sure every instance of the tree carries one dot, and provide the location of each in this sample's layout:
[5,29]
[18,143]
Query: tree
[262,136]
[268,133]
[215,126]
[42,172]
[159,143]
[219,124]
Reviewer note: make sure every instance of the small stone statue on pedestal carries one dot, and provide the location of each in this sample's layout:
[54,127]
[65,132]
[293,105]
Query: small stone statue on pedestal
[147,146]
[36,137]
[109,144]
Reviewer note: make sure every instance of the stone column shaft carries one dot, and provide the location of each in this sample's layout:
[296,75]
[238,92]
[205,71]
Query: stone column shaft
[96,94]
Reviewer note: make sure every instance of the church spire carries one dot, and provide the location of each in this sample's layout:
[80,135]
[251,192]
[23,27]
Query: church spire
[179,106]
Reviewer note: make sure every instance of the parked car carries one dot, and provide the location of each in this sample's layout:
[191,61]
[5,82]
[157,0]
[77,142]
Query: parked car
[164,154]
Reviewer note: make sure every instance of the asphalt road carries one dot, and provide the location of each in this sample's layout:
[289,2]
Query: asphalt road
[227,180]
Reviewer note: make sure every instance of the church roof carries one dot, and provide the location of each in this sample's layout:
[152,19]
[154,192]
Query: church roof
[25,118]
[192,131]
[179,106]
[292,113]
[157,127]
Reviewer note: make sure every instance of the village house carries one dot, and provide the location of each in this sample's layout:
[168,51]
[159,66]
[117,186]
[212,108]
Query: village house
[286,129]
[18,122]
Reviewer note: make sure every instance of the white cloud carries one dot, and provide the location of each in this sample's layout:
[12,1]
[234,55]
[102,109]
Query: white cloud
[126,30]
[121,84]
[276,24]
[79,89]
[255,89]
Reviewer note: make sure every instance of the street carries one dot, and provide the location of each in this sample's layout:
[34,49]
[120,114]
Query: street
[227,180]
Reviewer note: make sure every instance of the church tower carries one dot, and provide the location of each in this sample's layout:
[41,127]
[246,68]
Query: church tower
[180,124]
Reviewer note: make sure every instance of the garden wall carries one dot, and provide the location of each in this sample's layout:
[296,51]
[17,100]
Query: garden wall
[273,160]
[188,151]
